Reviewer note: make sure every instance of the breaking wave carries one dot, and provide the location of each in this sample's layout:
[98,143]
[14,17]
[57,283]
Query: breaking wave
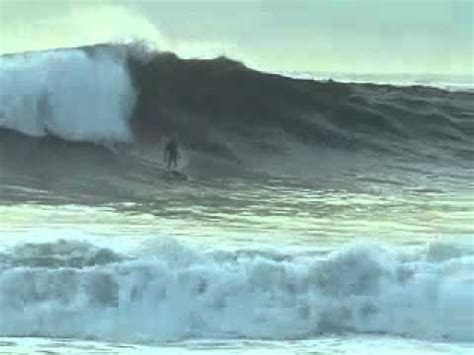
[74,289]
[73,94]
[118,93]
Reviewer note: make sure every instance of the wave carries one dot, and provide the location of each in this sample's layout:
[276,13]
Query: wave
[449,82]
[209,102]
[74,289]
[123,93]
[74,94]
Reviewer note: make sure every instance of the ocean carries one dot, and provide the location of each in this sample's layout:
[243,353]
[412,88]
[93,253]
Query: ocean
[318,216]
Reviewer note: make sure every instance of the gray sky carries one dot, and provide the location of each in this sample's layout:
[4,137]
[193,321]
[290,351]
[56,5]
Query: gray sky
[361,36]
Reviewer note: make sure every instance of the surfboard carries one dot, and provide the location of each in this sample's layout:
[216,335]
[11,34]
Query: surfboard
[175,175]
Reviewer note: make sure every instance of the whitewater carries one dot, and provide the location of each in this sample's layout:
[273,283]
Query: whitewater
[319,216]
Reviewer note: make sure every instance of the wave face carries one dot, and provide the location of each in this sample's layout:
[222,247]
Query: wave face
[116,93]
[73,289]
[74,94]
[209,102]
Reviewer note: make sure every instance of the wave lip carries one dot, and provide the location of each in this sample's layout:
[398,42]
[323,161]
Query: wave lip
[181,293]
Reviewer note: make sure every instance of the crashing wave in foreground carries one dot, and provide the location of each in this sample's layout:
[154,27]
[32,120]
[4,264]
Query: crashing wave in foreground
[72,289]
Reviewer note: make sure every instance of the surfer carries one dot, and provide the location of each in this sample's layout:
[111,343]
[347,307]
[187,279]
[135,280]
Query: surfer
[171,155]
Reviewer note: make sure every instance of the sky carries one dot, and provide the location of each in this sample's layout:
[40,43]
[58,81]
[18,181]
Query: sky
[352,36]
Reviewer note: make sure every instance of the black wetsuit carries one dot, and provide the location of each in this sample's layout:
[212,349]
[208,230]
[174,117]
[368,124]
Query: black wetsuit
[171,153]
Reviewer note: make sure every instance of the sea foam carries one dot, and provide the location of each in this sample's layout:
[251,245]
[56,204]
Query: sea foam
[178,292]
[67,93]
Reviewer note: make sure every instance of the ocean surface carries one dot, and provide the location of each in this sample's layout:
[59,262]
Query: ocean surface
[319,216]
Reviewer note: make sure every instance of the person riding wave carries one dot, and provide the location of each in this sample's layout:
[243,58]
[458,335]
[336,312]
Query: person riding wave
[171,154]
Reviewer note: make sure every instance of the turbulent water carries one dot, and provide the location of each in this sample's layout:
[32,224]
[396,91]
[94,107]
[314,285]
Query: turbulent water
[317,214]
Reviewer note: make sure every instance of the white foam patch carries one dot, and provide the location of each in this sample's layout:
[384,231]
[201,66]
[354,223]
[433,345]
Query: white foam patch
[178,292]
[68,93]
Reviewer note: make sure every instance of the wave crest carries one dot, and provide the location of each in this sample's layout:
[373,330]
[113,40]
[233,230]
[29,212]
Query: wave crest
[120,93]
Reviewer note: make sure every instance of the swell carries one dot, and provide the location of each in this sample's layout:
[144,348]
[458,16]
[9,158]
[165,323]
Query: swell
[205,101]
[91,121]
[74,289]
[117,93]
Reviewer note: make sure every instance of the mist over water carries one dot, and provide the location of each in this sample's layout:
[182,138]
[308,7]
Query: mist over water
[311,207]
